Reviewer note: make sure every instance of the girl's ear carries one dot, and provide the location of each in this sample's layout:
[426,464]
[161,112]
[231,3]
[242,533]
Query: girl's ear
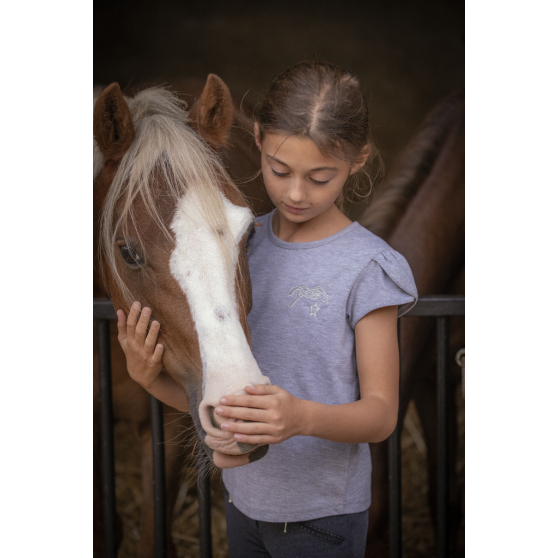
[361,161]
[257,135]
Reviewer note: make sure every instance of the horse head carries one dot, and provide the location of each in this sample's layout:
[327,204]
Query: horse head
[172,230]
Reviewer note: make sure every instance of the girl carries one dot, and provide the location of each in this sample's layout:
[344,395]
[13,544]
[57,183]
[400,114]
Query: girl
[326,297]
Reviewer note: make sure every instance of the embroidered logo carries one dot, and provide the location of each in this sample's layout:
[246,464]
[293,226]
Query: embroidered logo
[316,293]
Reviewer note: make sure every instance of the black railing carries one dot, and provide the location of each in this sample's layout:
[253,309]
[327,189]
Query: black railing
[440,307]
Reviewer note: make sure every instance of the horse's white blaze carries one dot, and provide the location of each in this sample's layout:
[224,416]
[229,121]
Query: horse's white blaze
[200,267]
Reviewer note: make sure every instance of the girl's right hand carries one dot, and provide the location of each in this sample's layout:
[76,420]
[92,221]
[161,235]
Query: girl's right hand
[143,356]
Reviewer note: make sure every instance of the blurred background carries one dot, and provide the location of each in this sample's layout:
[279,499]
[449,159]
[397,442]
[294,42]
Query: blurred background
[408,54]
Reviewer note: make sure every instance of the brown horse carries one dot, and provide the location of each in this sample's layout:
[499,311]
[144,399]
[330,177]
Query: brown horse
[419,211]
[171,230]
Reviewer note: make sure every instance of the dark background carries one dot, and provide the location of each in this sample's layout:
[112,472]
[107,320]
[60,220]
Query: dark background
[408,54]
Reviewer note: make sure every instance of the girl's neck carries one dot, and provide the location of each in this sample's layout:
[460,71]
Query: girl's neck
[326,224]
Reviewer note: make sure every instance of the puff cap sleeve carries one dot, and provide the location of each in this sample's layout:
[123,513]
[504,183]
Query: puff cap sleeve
[387,280]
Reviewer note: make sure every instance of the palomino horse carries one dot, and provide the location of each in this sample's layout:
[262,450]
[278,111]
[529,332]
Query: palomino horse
[171,228]
[419,211]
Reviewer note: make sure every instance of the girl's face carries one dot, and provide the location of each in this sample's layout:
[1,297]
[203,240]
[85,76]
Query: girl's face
[301,182]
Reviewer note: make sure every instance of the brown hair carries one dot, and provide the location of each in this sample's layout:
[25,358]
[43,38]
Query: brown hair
[326,104]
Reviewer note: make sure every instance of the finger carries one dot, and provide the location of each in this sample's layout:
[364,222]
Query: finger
[158,354]
[133,319]
[262,389]
[151,338]
[251,428]
[256,440]
[244,401]
[141,327]
[242,413]
[121,325]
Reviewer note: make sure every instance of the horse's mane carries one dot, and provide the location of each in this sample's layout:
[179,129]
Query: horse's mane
[165,148]
[412,167]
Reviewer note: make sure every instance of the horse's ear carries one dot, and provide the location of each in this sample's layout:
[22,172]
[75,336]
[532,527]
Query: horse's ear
[212,114]
[113,128]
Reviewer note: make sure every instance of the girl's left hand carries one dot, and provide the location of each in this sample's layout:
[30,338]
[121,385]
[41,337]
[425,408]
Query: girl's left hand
[276,415]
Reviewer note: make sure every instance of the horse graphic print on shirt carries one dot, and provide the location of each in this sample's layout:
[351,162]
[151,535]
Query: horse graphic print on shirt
[313,294]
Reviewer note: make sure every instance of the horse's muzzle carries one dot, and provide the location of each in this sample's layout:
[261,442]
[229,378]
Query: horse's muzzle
[222,443]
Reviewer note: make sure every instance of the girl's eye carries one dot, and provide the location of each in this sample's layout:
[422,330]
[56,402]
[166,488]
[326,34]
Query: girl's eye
[249,239]
[280,174]
[131,257]
[318,182]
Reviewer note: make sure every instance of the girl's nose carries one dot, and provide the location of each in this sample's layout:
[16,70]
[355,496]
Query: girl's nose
[297,191]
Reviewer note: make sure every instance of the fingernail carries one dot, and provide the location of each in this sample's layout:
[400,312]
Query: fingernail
[223,401]
[225,426]
[136,305]
[218,411]
[237,437]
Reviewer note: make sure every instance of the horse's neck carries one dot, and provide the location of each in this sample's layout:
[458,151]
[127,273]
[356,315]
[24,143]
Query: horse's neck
[413,167]
[430,232]
[421,215]
[420,210]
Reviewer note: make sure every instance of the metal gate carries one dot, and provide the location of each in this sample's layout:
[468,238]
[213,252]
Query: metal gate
[441,307]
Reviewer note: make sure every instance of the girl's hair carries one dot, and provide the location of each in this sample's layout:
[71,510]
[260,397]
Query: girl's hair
[326,104]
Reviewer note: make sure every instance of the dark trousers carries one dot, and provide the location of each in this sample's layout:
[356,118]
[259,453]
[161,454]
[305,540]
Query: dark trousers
[335,536]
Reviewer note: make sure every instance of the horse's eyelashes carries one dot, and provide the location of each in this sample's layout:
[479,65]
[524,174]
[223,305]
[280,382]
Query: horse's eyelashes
[131,257]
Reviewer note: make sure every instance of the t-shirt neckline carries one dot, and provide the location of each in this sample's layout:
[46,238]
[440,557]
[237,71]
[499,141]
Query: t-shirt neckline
[305,245]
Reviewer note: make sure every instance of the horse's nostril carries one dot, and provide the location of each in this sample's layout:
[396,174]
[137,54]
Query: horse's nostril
[245,448]
[254,452]
[212,418]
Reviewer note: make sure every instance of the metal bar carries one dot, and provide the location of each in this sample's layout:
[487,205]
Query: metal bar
[394,479]
[103,309]
[204,496]
[159,492]
[107,440]
[439,305]
[442,334]
[431,305]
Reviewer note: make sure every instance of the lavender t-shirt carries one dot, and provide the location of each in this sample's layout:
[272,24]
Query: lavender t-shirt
[307,299]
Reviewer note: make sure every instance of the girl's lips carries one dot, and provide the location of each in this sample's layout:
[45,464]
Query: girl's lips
[295,209]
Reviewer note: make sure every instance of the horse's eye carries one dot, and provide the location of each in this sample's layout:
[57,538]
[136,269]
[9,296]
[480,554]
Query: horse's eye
[249,239]
[130,256]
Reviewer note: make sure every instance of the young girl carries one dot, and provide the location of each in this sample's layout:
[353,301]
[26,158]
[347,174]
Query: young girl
[326,297]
